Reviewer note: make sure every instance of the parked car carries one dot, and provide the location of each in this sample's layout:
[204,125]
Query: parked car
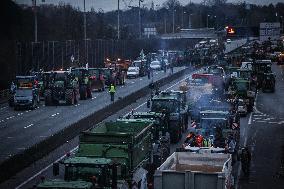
[229,41]
[156,65]
[132,72]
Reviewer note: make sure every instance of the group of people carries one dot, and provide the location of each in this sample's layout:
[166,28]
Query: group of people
[219,141]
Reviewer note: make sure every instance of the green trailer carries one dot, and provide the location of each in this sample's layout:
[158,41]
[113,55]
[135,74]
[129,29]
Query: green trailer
[62,184]
[128,143]
[160,131]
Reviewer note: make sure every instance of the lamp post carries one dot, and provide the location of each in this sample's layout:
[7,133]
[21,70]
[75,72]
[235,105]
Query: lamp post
[207,20]
[173,20]
[35,19]
[118,21]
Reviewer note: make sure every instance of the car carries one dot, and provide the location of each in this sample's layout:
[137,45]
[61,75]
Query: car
[156,65]
[229,41]
[132,72]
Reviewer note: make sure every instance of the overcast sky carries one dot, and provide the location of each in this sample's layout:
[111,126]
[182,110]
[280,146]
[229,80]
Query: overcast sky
[108,5]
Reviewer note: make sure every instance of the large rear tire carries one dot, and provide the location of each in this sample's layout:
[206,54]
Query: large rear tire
[83,92]
[69,97]
[48,97]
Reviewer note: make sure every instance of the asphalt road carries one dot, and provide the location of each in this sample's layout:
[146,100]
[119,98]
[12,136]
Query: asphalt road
[265,138]
[31,175]
[22,129]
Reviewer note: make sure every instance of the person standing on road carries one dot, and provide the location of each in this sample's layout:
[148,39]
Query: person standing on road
[245,160]
[112,92]
[149,72]
[172,68]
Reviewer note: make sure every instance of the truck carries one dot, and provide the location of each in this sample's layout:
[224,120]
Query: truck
[173,104]
[202,169]
[26,94]
[62,88]
[114,154]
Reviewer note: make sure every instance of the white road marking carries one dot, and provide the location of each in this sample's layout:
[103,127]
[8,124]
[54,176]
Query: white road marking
[249,121]
[9,137]
[41,171]
[3,107]
[28,126]
[74,149]
[260,121]
[280,122]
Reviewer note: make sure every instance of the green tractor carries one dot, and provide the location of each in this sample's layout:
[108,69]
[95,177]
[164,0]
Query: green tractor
[173,104]
[268,83]
[62,87]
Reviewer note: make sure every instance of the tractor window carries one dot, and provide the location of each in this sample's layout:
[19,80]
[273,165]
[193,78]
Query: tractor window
[59,84]
[160,105]
[102,174]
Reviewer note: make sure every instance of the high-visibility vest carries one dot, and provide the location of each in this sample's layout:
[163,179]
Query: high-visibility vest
[112,89]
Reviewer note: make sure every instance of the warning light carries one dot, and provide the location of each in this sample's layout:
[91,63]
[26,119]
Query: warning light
[230,30]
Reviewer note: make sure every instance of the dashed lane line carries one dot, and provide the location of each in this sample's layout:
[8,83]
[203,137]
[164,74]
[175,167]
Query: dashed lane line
[28,126]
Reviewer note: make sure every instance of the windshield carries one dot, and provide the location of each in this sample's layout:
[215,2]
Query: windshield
[132,69]
[215,71]
[24,92]
[155,63]
[211,123]
[86,173]
[160,105]
[241,86]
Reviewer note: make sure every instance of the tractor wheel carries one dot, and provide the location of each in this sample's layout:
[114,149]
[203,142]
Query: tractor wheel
[89,92]
[69,96]
[83,92]
[48,97]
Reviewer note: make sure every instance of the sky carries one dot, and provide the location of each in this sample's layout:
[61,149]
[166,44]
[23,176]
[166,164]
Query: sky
[108,5]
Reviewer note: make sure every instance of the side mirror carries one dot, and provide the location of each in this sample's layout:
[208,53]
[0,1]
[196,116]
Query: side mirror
[55,169]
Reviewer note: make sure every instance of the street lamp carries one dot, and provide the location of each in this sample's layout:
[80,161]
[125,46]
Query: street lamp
[207,20]
[282,24]
[182,19]
[173,20]
[35,19]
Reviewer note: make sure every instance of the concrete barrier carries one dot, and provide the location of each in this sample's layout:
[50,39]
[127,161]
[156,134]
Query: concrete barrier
[22,160]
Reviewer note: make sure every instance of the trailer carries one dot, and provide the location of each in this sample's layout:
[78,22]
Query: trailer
[195,170]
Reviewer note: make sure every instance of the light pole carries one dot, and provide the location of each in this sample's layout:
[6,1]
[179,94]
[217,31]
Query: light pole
[207,20]
[182,19]
[173,20]
[118,24]
[189,21]
[282,24]
[35,19]
[85,32]
[140,27]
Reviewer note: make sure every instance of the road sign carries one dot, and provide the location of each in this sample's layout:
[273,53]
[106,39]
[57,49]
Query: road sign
[269,31]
